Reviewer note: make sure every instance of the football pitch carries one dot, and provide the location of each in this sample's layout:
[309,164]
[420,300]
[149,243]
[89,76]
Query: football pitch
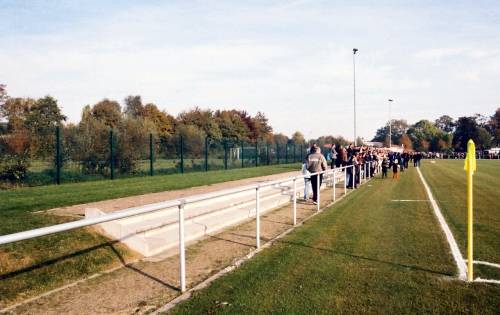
[380,250]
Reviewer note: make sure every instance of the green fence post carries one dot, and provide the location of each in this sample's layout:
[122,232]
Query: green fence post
[182,155]
[267,154]
[225,154]
[111,154]
[206,154]
[277,154]
[58,155]
[294,154]
[286,153]
[151,157]
[242,156]
[256,153]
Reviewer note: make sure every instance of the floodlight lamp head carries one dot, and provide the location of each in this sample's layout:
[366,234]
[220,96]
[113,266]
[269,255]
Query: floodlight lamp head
[390,100]
[354,50]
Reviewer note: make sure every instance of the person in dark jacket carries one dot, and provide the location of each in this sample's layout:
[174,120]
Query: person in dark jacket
[385,167]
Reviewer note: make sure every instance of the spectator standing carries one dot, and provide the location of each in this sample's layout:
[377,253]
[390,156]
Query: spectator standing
[334,155]
[395,173]
[307,181]
[316,162]
[385,167]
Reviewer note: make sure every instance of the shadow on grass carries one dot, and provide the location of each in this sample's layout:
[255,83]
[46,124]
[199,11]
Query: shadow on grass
[78,253]
[389,263]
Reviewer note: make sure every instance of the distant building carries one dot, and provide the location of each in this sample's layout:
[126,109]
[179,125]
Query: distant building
[374,144]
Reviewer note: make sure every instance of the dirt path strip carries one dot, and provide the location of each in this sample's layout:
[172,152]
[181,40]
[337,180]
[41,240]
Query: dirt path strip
[134,201]
[146,286]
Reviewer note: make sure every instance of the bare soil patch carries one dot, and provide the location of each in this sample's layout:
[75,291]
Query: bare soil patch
[134,201]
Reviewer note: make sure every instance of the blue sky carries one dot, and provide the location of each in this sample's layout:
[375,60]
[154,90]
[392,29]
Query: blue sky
[289,59]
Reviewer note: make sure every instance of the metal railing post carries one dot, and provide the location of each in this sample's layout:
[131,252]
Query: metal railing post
[294,214]
[182,155]
[334,180]
[345,180]
[58,155]
[182,249]
[267,153]
[151,157]
[206,154]
[286,153]
[277,154]
[318,186]
[225,154]
[353,176]
[257,215]
[242,156]
[256,153]
[111,155]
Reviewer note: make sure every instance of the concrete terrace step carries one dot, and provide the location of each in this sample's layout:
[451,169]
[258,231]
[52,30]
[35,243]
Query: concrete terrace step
[155,232]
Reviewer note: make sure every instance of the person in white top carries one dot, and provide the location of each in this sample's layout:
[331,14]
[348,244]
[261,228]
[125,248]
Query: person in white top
[307,181]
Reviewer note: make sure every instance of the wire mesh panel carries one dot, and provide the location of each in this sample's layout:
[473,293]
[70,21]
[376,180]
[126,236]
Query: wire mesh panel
[168,155]
[216,155]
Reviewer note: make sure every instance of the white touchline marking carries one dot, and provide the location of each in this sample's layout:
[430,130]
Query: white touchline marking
[459,260]
[409,200]
[487,281]
[486,263]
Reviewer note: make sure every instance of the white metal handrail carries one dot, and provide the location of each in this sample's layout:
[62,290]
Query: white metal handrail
[180,203]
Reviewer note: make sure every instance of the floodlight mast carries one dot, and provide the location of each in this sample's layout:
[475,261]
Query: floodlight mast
[390,124]
[354,51]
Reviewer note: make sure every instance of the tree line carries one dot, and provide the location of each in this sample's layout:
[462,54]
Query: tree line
[445,134]
[29,132]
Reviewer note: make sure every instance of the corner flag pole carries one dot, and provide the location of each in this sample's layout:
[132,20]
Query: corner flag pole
[470,168]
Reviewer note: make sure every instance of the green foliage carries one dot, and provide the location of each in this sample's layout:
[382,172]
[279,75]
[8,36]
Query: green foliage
[43,118]
[399,127]
[495,127]
[298,138]
[13,168]
[467,128]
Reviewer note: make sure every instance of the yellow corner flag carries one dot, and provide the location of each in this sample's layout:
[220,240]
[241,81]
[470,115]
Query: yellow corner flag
[470,168]
[470,160]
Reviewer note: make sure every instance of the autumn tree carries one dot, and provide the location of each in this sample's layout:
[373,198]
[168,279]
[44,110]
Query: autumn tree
[43,118]
[203,119]
[398,128]
[133,106]
[107,112]
[231,125]
[163,122]
[445,123]
[298,138]
[495,127]
[16,110]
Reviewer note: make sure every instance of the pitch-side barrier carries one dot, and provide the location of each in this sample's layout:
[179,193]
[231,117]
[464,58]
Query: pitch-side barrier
[330,174]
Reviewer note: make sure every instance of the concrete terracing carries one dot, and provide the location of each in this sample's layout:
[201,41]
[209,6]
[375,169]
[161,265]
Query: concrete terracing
[156,232]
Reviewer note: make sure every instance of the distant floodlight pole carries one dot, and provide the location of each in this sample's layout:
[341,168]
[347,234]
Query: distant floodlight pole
[390,124]
[354,50]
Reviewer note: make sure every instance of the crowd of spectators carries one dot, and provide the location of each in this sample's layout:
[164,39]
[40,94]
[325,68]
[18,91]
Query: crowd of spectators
[357,162]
